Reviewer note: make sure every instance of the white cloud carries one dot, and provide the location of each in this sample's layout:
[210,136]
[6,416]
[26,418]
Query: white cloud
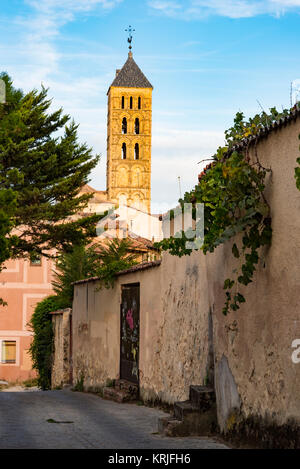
[36,59]
[177,152]
[170,8]
[32,57]
[295,91]
[70,6]
[50,15]
[43,25]
[286,3]
[191,9]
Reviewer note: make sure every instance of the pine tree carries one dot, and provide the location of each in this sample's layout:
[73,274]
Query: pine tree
[43,173]
[7,210]
[79,264]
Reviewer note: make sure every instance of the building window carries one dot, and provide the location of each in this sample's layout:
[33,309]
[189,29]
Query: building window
[139,102]
[124,125]
[124,151]
[137,126]
[123,102]
[131,102]
[136,151]
[8,352]
[35,259]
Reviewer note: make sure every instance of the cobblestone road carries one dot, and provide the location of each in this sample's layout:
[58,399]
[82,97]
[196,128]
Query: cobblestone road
[30,420]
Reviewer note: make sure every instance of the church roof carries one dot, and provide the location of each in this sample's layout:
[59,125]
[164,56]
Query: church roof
[98,196]
[131,76]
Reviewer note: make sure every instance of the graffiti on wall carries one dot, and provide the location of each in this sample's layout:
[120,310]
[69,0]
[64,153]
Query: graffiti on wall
[130,332]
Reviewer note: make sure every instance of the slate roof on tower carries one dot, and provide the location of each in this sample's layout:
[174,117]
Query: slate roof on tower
[131,76]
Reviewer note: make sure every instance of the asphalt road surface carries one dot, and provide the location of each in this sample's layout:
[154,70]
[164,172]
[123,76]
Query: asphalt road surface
[72,420]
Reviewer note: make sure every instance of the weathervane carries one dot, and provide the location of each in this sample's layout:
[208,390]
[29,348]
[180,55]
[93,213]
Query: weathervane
[129,40]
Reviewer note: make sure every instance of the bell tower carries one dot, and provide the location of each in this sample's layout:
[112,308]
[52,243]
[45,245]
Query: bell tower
[129,121]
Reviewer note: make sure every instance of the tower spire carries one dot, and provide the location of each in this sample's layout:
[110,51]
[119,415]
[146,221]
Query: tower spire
[129,126]
[129,39]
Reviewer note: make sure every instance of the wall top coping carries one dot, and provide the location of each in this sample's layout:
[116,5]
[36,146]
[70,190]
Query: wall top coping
[247,142]
[61,311]
[264,132]
[134,268]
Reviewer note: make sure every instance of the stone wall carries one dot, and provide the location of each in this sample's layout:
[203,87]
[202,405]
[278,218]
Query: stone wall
[175,330]
[62,360]
[256,341]
[177,354]
[96,334]
[184,337]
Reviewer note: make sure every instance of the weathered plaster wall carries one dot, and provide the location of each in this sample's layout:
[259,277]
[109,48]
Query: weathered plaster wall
[173,330]
[96,328]
[177,354]
[96,334]
[61,368]
[251,348]
[257,339]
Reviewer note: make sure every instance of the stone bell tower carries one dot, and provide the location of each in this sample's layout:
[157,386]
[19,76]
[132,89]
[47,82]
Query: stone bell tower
[129,122]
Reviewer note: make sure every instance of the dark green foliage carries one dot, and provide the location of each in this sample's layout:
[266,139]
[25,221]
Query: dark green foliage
[8,205]
[30,383]
[79,386]
[98,260]
[78,264]
[7,210]
[297,173]
[114,257]
[45,173]
[41,349]
[242,128]
[232,189]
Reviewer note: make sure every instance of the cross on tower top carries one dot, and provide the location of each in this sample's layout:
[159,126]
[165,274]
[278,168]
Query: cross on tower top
[129,40]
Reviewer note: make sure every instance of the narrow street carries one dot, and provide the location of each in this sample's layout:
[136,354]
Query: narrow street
[71,420]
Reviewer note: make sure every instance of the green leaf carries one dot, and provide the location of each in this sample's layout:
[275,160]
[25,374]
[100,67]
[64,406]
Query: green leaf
[239,298]
[228,284]
[235,251]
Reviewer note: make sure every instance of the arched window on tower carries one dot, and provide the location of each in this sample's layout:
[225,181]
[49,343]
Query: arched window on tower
[139,102]
[124,125]
[137,126]
[124,151]
[131,102]
[136,151]
[123,102]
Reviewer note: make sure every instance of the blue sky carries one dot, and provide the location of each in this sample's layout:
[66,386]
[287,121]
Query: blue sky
[206,60]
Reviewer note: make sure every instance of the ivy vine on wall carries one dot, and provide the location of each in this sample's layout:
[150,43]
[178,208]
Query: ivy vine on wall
[232,191]
[297,173]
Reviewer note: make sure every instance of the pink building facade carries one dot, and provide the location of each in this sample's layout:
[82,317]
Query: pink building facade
[22,285]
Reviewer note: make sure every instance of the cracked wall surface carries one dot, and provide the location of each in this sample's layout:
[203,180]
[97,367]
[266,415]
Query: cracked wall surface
[182,329]
[61,367]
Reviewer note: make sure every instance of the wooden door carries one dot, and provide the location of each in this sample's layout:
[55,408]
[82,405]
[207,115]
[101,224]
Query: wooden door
[130,332]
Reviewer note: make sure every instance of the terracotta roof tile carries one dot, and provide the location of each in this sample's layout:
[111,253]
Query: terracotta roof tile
[98,196]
